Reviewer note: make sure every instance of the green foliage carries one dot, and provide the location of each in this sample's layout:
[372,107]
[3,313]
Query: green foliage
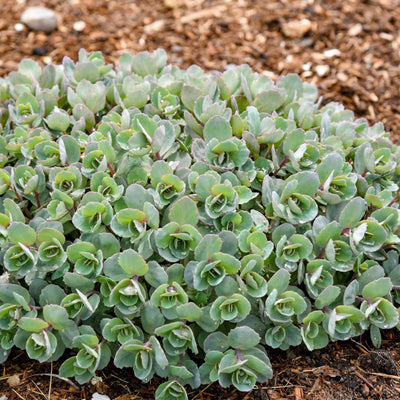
[177,222]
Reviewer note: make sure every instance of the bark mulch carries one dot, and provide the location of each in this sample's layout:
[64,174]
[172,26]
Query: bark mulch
[349,50]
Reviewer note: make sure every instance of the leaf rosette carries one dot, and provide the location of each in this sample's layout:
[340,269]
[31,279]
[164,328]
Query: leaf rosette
[235,222]
[343,322]
[27,110]
[41,345]
[171,390]
[380,313]
[175,242]
[282,308]
[369,236]
[94,161]
[243,369]
[128,296]
[121,330]
[211,265]
[318,277]
[87,261]
[337,189]
[7,339]
[233,308]
[20,260]
[78,305]
[169,188]
[290,251]
[9,316]
[92,213]
[29,182]
[228,154]
[91,356]
[313,334]
[106,186]
[252,280]
[68,180]
[283,336]
[223,199]
[47,153]
[169,296]
[177,337]
[255,243]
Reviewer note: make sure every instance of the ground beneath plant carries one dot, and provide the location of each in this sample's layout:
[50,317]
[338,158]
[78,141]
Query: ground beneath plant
[349,50]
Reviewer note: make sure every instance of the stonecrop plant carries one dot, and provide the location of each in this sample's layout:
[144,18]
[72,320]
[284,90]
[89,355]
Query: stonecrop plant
[179,223]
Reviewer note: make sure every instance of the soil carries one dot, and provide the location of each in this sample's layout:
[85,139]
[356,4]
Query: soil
[350,50]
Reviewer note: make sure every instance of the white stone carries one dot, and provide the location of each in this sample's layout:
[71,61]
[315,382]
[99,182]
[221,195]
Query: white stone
[332,53]
[355,30]
[289,58]
[97,396]
[40,19]
[19,27]
[322,70]
[155,26]
[79,26]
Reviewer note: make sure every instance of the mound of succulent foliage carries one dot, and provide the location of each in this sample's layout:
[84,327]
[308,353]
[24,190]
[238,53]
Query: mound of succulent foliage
[177,223]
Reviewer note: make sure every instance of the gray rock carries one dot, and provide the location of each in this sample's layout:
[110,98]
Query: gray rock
[40,19]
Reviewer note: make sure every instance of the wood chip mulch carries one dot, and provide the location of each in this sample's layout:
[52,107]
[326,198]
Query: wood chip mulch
[350,50]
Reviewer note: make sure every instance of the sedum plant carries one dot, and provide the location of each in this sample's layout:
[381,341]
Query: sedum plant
[179,223]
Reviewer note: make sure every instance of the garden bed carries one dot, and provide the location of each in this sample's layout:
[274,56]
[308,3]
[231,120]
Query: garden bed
[362,73]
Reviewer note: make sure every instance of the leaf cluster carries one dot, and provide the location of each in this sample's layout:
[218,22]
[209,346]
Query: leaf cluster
[177,222]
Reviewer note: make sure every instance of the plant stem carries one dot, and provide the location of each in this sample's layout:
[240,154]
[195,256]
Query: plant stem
[37,198]
[111,169]
[239,355]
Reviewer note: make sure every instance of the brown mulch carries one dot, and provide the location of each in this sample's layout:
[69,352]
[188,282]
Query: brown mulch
[349,49]
[342,371]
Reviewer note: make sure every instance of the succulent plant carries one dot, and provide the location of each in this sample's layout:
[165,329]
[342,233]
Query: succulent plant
[179,222]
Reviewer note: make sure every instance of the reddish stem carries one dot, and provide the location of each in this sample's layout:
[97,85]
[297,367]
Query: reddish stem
[111,169]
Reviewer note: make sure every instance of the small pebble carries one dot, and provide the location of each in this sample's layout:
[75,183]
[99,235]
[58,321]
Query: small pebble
[332,53]
[175,48]
[19,27]
[40,19]
[97,396]
[342,76]
[322,70]
[386,36]
[355,30]
[155,26]
[289,58]
[297,28]
[79,26]
[40,51]
[13,381]
[174,3]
